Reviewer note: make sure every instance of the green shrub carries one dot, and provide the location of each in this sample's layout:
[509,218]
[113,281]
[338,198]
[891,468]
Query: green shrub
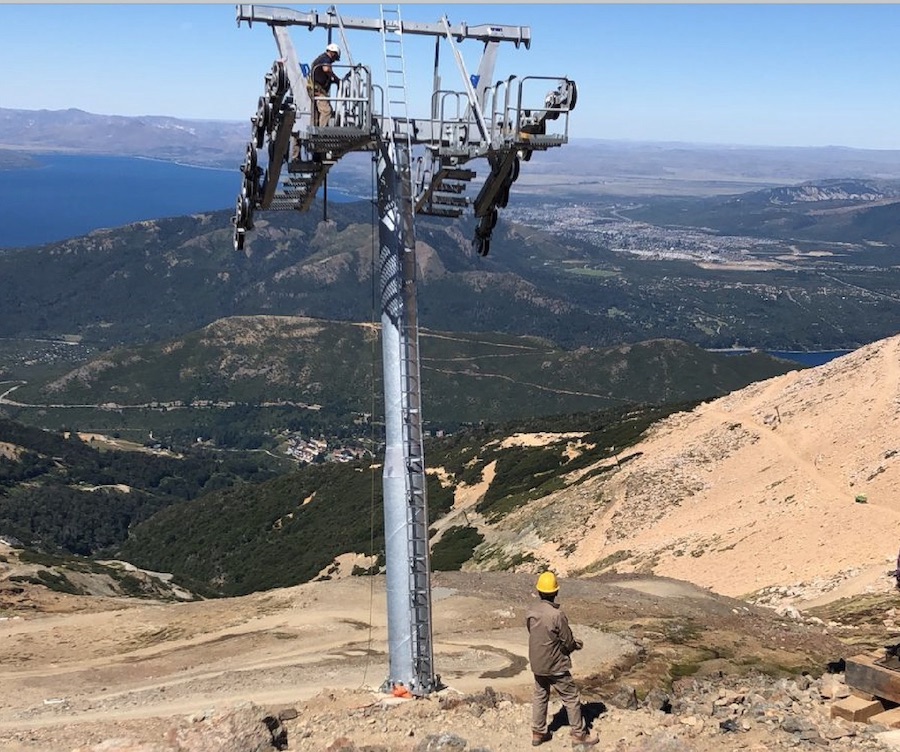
[29,556]
[521,472]
[440,499]
[51,580]
[131,586]
[454,548]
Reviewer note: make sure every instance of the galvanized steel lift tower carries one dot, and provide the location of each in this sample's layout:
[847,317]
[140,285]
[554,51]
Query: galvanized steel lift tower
[504,122]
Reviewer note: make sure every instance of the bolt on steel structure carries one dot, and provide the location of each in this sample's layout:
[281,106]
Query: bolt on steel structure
[504,122]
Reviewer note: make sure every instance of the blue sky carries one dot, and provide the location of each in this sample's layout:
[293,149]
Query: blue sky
[758,74]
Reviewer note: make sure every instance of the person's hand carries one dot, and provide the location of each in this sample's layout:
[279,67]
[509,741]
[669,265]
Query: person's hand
[579,644]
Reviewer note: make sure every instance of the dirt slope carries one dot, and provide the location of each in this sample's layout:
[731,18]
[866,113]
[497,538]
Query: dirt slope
[791,482]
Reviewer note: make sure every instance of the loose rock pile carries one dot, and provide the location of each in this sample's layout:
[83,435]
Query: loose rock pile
[754,713]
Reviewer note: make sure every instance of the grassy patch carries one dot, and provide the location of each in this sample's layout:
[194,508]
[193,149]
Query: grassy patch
[593,272]
[75,563]
[682,632]
[502,561]
[681,670]
[607,562]
[131,586]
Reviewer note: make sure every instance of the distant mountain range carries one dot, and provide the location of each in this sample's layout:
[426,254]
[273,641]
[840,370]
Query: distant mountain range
[200,142]
[766,475]
[834,190]
[583,168]
[825,278]
[552,322]
[262,376]
[862,212]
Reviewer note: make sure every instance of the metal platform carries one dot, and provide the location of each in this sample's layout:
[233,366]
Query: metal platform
[503,121]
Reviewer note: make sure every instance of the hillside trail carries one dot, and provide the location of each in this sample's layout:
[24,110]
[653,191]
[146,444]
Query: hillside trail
[820,477]
[877,388]
[147,662]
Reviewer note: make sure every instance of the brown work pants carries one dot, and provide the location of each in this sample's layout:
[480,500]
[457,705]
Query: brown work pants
[568,693]
[323,108]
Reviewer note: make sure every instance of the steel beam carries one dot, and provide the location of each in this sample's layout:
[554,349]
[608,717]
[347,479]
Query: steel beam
[271,14]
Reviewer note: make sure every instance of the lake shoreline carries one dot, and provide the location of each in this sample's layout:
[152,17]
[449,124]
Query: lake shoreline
[804,357]
[67,196]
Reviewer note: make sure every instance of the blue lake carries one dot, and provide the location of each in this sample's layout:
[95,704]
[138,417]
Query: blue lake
[72,195]
[809,358]
[812,358]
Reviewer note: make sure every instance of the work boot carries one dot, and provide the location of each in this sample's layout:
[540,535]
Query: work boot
[537,738]
[583,739]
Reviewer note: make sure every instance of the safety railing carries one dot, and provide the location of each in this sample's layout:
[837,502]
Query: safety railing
[352,105]
[453,127]
[515,110]
[556,106]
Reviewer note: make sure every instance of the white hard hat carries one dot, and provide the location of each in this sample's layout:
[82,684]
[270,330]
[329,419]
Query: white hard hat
[334,48]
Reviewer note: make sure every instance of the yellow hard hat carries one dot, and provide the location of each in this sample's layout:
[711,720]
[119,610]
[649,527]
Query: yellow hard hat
[547,583]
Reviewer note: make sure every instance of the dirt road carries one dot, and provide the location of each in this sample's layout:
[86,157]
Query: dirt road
[136,667]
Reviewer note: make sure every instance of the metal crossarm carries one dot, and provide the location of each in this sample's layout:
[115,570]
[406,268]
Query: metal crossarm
[484,119]
[278,16]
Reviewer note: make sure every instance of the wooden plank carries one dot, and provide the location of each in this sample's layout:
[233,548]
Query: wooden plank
[889,718]
[856,709]
[862,673]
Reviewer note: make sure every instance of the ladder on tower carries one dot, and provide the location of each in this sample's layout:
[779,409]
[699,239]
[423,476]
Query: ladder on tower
[398,133]
[511,126]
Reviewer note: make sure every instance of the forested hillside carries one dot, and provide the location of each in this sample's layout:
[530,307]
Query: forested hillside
[155,280]
[225,526]
[243,382]
[59,493]
[290,529]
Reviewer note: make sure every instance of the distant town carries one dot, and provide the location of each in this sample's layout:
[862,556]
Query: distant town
[307,451]
[19,353]
[622,235]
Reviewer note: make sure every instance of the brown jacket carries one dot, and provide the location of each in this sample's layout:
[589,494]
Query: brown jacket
[550,640]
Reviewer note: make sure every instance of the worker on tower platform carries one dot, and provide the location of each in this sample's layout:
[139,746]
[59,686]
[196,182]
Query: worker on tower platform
[321,77]
[550,645]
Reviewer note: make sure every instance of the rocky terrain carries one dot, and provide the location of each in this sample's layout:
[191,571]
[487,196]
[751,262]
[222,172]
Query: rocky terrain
[666,666]
[72,131]
[719,576]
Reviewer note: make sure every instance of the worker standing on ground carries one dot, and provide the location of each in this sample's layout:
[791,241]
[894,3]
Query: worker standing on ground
[321,77]
[550,645]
